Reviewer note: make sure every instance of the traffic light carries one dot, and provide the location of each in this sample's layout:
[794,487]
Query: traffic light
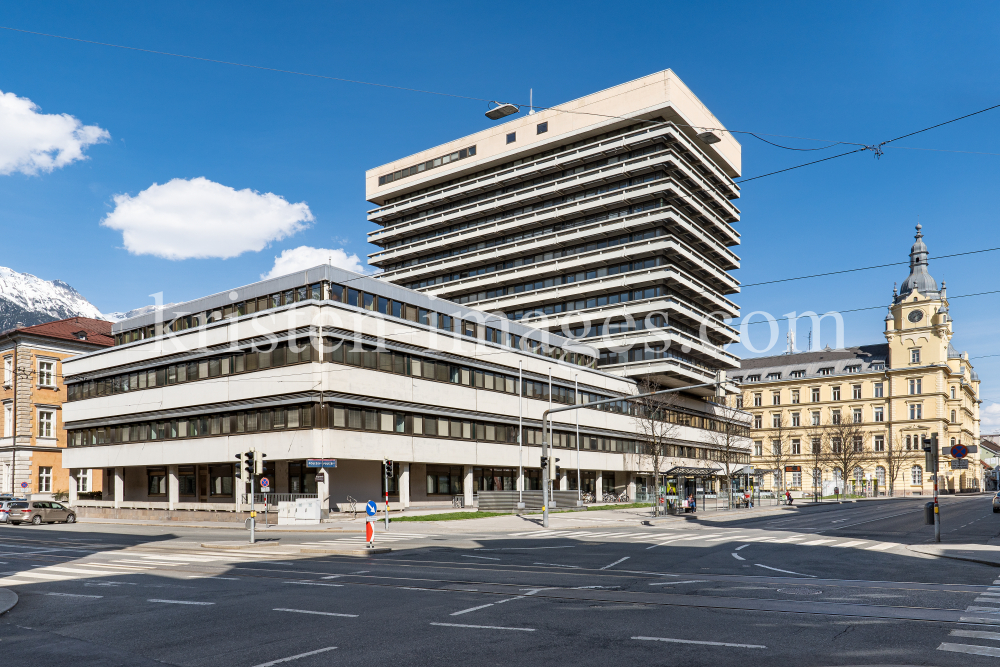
[545,462]
[387,467]
[258,464]
[931,453]
[239,467]
[555,470]
[251,465]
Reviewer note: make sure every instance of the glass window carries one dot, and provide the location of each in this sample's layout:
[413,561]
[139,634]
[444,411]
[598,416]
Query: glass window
[46,419]
[542,128]
[511,137]
[878,390]
[46,373]
[44,479]
[220,480]
[157,481]
[914,356]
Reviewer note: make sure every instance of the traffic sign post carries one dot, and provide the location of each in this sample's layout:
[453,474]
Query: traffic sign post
[370,509]
[930,447]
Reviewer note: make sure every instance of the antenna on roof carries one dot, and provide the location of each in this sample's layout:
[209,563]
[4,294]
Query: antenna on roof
[810,340]
[531,101]
[791,342]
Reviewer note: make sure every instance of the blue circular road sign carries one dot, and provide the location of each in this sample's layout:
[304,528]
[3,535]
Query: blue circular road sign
[959,451]
[371,508]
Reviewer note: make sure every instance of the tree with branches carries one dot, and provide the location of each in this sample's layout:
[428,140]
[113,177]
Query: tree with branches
[777,451]
[818,455]
[846,448]
[730,438]
[892,457]
[654,430]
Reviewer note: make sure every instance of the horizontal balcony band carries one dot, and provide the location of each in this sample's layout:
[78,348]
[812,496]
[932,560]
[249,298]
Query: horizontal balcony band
[663,245]
[656,189]
[609,146]
[638,309]
[651,336]
[535,244]
[537,298]
[676,368]
[665,160]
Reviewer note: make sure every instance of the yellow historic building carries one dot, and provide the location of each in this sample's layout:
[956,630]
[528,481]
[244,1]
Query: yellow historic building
[851,419]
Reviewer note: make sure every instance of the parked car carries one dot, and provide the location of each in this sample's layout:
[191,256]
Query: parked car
[40,511]
[996,502]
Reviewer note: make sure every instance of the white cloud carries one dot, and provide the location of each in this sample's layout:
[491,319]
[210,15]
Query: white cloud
[990,416]
[304,257]
[199,218]
[31,142]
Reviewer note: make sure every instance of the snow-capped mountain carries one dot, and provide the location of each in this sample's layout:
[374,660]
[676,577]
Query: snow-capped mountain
[30,300]
[118,316]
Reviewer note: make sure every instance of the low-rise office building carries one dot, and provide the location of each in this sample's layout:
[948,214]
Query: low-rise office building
[329,364]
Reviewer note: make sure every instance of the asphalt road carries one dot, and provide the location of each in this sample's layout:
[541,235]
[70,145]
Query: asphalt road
[834,585]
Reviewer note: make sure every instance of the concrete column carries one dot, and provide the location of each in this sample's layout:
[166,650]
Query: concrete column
[467,487]
[73,486]
[280,477]
[173,488]
[631,488]
[323,493]
[404,485]
[598,486]
[119,487]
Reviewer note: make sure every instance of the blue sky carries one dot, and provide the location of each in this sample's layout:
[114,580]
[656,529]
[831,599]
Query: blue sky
[858,72]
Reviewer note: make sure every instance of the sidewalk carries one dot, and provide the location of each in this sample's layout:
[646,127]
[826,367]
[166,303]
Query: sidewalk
[985,554]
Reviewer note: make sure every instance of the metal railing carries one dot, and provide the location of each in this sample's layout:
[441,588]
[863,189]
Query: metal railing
[272,499]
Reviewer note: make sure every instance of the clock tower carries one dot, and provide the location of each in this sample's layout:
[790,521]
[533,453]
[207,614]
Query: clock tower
[918,328]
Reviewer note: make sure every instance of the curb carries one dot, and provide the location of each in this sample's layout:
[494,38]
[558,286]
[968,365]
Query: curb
[968,559]
[239,545]
[346,552]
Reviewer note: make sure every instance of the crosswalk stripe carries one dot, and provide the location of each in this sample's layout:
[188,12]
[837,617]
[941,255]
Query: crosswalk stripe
[992,610]
[971,649]
[815,542]
[880,547]
[849,544]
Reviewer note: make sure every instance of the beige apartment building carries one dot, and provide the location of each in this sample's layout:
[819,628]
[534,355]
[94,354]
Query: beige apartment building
[851,420]
[32,394]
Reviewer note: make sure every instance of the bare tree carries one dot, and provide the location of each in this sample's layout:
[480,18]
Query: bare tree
[846,446]
[893,457]
[655,428]
[818,455]
[780,453]
[731,437]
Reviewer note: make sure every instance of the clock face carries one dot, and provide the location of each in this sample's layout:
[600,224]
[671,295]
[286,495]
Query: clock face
[915,315]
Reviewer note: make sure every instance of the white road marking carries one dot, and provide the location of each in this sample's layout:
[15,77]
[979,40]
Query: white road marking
[482,557]
[181,602]
[975,634]
[74,595]
[995,610]
[733,538]
[737,556]
[815,542]
[768,567]
[313,583]
[849,544]
[880,547]
[993,651]
[482,627]
[987,599]
[295,657]
[575,567]
[692,641]
[466,611]
[620,560]
[979,619]
[674,583]
[318,613]
[41,575]
[742,547]
[150,562]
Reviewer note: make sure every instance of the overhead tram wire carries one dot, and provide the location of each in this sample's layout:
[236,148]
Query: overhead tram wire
[876,148]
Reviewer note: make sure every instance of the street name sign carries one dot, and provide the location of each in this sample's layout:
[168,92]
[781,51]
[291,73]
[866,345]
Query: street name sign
[321,463]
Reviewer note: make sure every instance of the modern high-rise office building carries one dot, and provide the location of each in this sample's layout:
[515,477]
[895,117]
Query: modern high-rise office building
[608,219]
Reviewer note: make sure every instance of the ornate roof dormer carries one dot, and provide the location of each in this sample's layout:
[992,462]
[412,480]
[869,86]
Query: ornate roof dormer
[918,280]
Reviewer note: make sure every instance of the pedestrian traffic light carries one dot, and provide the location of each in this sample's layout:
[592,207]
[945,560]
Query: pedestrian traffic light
[387,467]
[239,467]
[250,466]
[544,462]
[931,453]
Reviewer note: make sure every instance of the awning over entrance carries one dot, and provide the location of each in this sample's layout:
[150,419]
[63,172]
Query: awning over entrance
[686,471]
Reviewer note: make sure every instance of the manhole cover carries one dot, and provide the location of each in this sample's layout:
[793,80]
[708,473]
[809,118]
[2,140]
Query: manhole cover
[800,591]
